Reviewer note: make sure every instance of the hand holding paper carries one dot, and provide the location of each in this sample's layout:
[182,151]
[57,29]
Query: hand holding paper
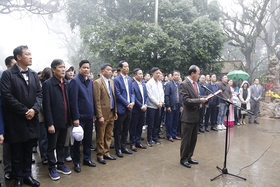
[210,96]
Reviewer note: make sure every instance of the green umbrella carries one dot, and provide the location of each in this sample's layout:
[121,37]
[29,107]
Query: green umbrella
[238,74]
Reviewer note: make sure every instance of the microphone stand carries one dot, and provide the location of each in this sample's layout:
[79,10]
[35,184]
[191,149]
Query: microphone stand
[224,170]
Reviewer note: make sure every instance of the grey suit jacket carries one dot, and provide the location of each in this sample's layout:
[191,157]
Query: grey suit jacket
[256,92]
[191,102]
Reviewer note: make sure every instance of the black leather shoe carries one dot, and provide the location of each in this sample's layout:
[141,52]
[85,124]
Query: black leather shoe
[8,176]
[109,157]
[112,147]
[101,160]
[201,130]
[214,129]
[17,183]
[256,122]
[141,146]
[193,161]
[119,153]
[31,182]
[206,129]
[125,150]
[77,168]
[89,163]
[186,164]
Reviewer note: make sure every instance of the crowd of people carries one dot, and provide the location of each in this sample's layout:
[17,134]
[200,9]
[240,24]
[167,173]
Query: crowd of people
[46,107]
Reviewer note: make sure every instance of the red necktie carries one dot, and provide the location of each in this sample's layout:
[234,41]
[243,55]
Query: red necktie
[195,87]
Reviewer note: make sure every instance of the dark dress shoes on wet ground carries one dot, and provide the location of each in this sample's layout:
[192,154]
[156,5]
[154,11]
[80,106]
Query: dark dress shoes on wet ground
[109,157]
[31,182]
[77,168]
[101,160]
[193,161]
[119,153]
[89,163]
[186,164]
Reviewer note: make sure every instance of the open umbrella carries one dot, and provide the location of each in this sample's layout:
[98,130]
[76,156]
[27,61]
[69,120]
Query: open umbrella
[238,74]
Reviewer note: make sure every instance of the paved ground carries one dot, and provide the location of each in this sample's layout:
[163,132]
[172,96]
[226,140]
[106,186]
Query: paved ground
[254,152]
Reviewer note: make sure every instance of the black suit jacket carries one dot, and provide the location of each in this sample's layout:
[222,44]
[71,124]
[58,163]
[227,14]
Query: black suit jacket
[191,102]
[53,103]
[18,97]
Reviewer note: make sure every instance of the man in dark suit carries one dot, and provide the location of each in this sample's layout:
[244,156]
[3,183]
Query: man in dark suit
[106,112]
[138,111]
[22,97]
[125,103]
[190,116]
[57,118]
[82,113]
[173,104]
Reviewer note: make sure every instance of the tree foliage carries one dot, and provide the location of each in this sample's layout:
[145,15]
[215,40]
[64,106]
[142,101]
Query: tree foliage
[121,29]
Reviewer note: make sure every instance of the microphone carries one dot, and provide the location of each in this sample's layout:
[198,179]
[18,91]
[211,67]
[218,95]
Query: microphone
[205,87]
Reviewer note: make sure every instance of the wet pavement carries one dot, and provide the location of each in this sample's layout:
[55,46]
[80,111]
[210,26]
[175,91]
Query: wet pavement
[253,153]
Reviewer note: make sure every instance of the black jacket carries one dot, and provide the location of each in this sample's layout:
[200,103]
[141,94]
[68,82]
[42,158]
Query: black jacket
[18,97]
[170,95]
[53,103]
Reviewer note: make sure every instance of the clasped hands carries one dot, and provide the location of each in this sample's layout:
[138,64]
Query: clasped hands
[30,114]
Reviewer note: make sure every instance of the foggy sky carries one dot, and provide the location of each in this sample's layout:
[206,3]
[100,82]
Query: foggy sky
[33,32]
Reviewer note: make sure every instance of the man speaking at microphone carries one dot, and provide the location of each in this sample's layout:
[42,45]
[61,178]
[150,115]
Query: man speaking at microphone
[190,117]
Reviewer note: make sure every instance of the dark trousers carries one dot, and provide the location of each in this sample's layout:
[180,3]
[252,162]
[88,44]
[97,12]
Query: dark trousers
[43,142]
[211,112]
[135,129]
[56,142]
[161,118]
[153,117]
[202,115]
[21,157]
[7,157]
[171,122]
[179,125]
[235,115]
[255,108]
[188,142]
[121,130]
[87,126]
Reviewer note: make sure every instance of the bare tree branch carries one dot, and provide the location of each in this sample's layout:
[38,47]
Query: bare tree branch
[244,29]
[32,6]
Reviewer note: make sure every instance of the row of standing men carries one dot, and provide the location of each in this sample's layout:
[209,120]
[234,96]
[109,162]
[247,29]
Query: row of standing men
[115,105]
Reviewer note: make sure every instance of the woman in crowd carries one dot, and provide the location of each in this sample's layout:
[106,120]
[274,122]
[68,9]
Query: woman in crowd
[230,120]
[69,75]
[244,96]
[236,101]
